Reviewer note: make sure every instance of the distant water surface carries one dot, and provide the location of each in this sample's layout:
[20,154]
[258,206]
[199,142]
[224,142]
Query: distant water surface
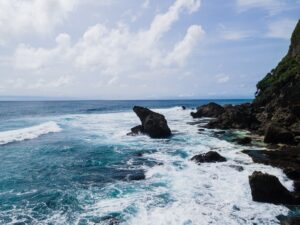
[71,162]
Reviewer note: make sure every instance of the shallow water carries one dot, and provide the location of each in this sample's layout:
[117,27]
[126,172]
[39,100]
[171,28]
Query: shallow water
[64,166]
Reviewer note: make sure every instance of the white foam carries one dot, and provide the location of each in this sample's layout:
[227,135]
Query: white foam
[200,194]
[28,133]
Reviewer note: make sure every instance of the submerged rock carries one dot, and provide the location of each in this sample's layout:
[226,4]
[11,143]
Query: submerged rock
[209,157]
[153,124]
[267,188]
[209,110]
[276,134]
[243,140]
[291,221]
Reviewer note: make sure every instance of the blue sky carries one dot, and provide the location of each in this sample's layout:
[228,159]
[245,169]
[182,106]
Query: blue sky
[148,49]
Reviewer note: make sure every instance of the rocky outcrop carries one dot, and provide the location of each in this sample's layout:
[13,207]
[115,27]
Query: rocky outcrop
[209,157]
[153,124]
[209,110]
[276,134]
[275,111]
[267,188]
[236,117]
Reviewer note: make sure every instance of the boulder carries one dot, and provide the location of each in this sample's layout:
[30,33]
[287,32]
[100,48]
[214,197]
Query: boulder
[183,107]
[267,188]
[153,124]
[243,140]
[209,110]
[276,134]
[209,157]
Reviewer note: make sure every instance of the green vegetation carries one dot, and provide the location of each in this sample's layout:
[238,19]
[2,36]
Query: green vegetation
[284,73]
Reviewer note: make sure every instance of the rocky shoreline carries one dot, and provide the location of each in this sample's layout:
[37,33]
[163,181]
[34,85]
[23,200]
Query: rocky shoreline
[274,114]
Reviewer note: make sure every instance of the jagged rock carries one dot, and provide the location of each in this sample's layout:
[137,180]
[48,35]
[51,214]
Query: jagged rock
[267,188]
[209,110]
[209,157]
[276,134]
[243,141]
[153,124]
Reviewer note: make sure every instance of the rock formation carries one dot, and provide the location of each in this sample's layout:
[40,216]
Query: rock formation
[209,157]
[153,124]
[267,188]
[209,110]
[275,110]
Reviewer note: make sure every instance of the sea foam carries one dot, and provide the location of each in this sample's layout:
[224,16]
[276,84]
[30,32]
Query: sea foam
[28,132]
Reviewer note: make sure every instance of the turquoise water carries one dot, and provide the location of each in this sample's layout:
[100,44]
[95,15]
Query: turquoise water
[72,163]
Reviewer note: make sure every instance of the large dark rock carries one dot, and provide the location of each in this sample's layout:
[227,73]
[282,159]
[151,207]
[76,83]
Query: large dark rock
[153,124]
[276,134]
[209,157]
[267,188]
[209,110]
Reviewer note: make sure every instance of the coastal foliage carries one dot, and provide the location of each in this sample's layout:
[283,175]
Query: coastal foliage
[285,72]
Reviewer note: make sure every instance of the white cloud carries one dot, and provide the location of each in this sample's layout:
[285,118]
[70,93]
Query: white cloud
[38,16]
[117,51]
[235,35]
[281,29]
[222,78]
[184,48]
[273,6]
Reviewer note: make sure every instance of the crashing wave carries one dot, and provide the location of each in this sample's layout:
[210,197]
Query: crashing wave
[28,133]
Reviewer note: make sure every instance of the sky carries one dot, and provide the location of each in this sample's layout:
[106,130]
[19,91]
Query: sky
[141,49]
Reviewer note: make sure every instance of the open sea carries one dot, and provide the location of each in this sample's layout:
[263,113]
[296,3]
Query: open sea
[71,162]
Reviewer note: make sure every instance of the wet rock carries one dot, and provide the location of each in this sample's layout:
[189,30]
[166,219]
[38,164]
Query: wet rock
[136,130]
[183,107]
[209,157]
[267,188]
[286,158]
[243,140]
[209,110]
[291,221]
[153,124]
[276,134]
[129,175]
[238,168]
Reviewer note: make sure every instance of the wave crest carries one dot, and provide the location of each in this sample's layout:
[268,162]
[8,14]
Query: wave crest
[28,133]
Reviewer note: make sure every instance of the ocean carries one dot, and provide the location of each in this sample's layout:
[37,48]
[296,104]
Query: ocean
[71,162]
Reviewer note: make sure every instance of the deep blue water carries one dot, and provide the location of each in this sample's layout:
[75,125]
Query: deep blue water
[70,162]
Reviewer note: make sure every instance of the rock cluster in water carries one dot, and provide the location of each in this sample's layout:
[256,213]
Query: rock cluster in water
[153,124]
